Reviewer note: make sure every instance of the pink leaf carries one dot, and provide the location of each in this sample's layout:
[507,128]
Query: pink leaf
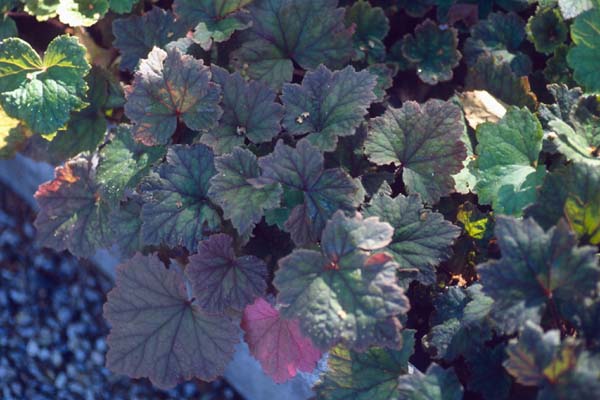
[277,343]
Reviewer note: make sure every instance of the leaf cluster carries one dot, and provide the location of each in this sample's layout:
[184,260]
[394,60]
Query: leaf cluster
[412,187]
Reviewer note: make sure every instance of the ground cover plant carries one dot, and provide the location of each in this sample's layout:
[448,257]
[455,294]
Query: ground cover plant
[411,188]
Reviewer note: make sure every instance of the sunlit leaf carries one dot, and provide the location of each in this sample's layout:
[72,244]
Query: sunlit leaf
[422,238]
[344,293]
[171,88]
[328,104]
[425,140]
[43,92]
[177,211]
[277,343]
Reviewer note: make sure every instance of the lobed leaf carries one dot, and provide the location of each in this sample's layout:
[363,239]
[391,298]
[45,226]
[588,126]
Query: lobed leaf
[425,141]
[136,36]
[536,267]
[584,57]
[433,51]
[123,163]
[222,281]
[73,215]
[371,375]
[249,113]
[177,211]
[498,78]
[499,36]
[547,30]
[436,384]
[323,191]
[42,93]
[284,32]
[212,20]
[277,343]
[573,193]
[422,238]
[459,323]
[507,166]
[235,184]
[561,369]
[370,28]
[158,332]
[169,88]
[328,104]
[344,293]
[81,12]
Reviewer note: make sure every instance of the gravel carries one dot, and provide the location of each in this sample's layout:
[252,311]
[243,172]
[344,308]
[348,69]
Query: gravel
[52,334]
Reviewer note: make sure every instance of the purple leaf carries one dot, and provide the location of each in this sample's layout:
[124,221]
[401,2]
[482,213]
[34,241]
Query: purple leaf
[158,332]
[277,343]
[170,87]
[220,280]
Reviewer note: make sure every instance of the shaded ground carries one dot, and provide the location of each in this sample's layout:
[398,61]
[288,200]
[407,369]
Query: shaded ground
[52,334]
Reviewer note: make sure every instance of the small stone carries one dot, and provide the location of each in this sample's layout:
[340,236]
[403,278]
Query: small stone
[60,381]
[32,348]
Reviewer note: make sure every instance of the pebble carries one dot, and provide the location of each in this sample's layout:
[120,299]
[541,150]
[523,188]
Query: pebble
[52,333]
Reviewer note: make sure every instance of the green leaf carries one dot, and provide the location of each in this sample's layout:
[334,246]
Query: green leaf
[249,113]
[499,36]
[372,375]
[124,162]
[86,128]
[122,6]
[536,267]
[177,211]
[433,51]
[235,184]
[498,78]
[370,28]
[43,92]
[42,9]
[436,384]
[415,9]
[459,323]
[72,214]
[308,33]
[424,140]
[573,193]
[560,369]
[487,375]
[222,281]
[328,104]
[214,20]
[584,57]
[324,191]
[81,12]
[422,238]
[557,69]
[126,224]
[135,36]
[507,168]
[13,135]
[170,87]
[547,30]
[575,145]
[572,8]
[8,27]
[344,293]
[158,332]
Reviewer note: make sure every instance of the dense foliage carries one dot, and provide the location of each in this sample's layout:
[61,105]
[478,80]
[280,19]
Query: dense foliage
[410,187]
